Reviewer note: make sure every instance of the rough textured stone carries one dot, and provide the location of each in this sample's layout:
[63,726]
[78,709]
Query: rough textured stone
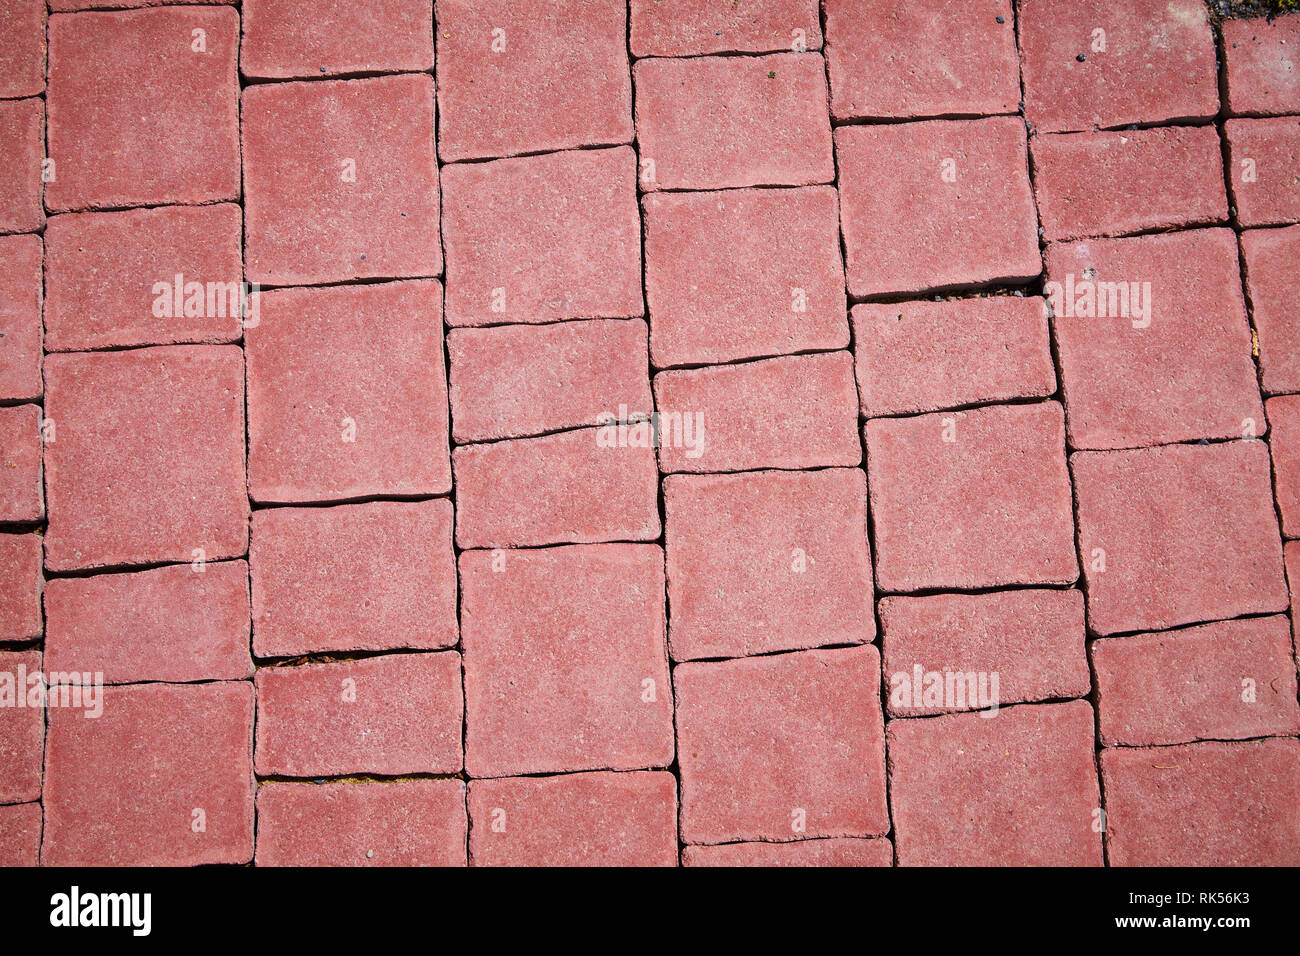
[566,666]
[20,587]
[313,38]
[22,493]
[1274,286]
[1184,533]
[368,577]
[1264,162]
[989,507]
[1262,56]
[22,150]
[834,851]
[22,48]
[22,728]
[20,832]
[694,27]
[581,819]
[1284,444]
[20,317]
[767,561]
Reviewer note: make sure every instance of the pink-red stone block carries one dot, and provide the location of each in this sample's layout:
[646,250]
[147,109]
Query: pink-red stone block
[367,577]
[1273,284]
[22,495]
[20,587]
[22,48]
[580,819]
[1262,57]
[767,561]
[1111,183]
[694,27]
[143,110]
[782,747]
[928,58]
[397,823]
[145,459]
[58,6]
[163,777]
[1203,804]
[142,277]
[797,411]
[1018,789]
[971,499]
[718,122]
[284,39]
[340,180]
[512,381]
[22,152]
[1032,639]
[572,487]
[1284,443]
[392,714]
[1090,63]
[743,273]
[566,665]
[174,624]
[20,834]
[347,393]
[1223,681]
[20,317]
[1153,340]
[1177,535]
[22,727]
[833,851]
[524,78]
[936,204]
[925,356]
[542,238]
[1264,169]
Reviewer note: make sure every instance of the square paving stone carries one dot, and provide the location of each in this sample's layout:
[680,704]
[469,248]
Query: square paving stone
[1264,169]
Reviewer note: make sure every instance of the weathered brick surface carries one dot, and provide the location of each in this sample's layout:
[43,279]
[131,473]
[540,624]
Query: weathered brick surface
[22,727]
[833,851]
[20,834]
[1018,789]
[366,577]
[22,48]
[1261,62]
[1177,535]
[20,587]
[20,316]
[313,38]
[1233,804]
[566,664]
[767,561]
[1274,287]
[1284,444]
[936,204]
[22,150]
[925,356]
[1230,680]
[1264,157]
[581,819]
[743,274]
[22,495]
[693,27]
[972,499]
[820,768]
[397,823]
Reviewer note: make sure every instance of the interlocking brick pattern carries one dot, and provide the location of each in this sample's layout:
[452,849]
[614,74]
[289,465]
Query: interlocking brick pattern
[632,432]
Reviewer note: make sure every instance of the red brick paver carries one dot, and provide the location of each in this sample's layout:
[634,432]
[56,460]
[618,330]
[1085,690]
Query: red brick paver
[285,39]
[1273,288]
[20,834]
[22,154]
[22,493]
[22,726]
[22,48]
[1264,169]
[20,587]
[1262,63]
[20,317]
[1284,444]
[693,27]
[834,851]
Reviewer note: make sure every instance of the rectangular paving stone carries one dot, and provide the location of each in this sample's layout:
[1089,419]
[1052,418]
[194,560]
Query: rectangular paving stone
[1284,445]
[20,587]
[1274,286]
[394,823]
[22,726]
[347,393]
[797,411]
[391,714]
[936,204]
[566,664]
[1018,789]
[580,819]
[22,153]
[1032,639]
[1177,535]
[719,122]
[578,486]
[137,114]
[22,48]
[368,577]
[833,851]
[1233,804]
[971,499]
[20,834]
[512,381]
[286,39]
[1153,340]
[145,463]
[1228,680]
[143,277]
[522,78]
[340,180]
[1110,183]
[767,561]
[172,624]
[163,777]
[743,273]
[1261,64]
[694,27]
[925,356]
[782,747]
[22,493]
[1153,61]
[72,5]
[1264,158]
[20,317]
[932,58]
